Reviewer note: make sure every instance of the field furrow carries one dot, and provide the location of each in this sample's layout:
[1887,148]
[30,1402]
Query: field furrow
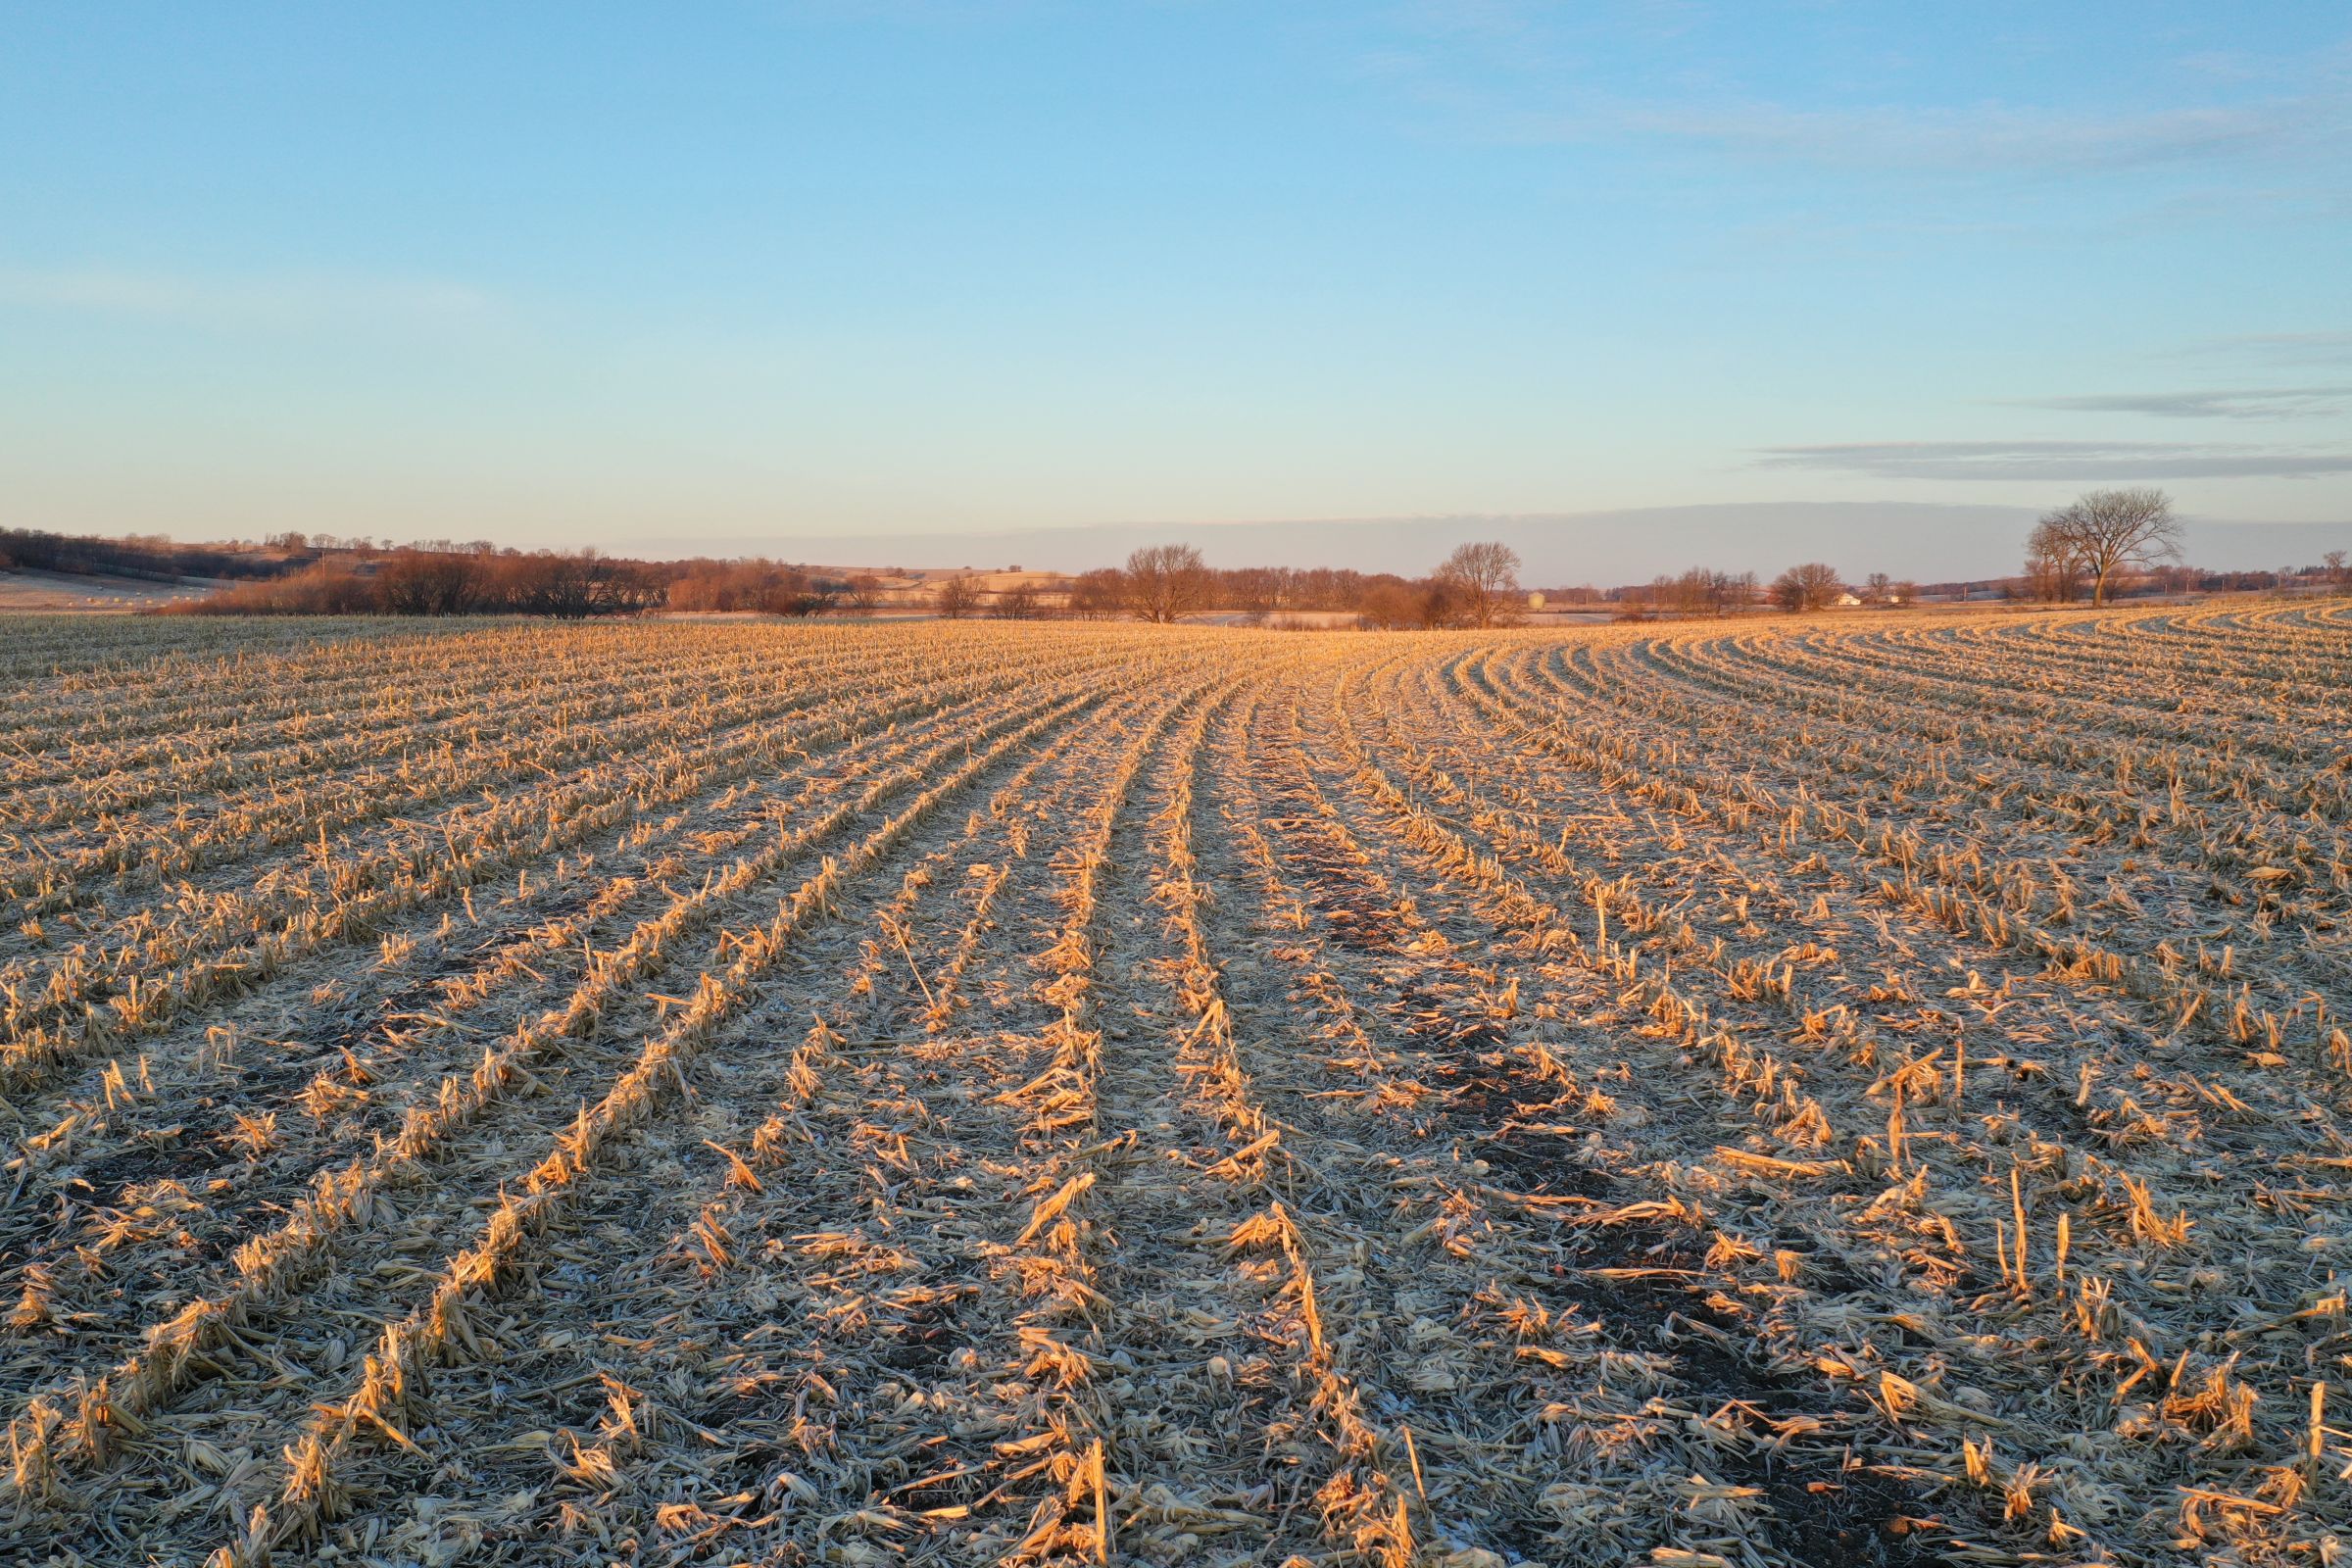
[1866,1089]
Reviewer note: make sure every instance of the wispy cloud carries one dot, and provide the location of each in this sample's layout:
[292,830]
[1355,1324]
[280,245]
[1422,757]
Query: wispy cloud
[1502,70]
[2278,348]
[287,303]
[2263,403]
[2057,460]
[1983,137]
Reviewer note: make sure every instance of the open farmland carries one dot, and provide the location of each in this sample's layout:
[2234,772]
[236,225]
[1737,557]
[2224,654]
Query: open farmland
[1850,1091]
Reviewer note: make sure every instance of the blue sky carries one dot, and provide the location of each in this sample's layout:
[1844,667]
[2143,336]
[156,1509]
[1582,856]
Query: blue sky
[630,275]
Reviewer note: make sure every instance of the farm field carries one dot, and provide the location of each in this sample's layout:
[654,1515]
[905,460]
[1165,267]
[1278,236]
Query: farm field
[1856,1089]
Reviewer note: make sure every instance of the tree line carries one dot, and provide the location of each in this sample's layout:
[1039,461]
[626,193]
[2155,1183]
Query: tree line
[152,558]
[568,585]
[770,587]
[1478,585]
[2097,545]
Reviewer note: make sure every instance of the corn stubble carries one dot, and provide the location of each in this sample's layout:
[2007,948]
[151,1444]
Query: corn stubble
[1864,1091]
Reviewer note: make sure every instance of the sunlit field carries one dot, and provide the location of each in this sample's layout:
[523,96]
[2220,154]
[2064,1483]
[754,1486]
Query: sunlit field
[1863,1089]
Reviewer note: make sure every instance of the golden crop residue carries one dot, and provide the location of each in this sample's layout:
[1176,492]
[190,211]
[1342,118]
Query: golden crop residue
[1860,1089]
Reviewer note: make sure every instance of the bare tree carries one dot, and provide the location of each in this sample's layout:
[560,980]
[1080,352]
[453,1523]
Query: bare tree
[2108,530]
[1389,606]
[2339,574]
[1481,582]
[421,582]
[2053,561]
[1020,602]
[1811,586]
[864,593]
[955,598]
[1258,590]
[1702,592]
[1877,589]
[1165,582]
[1099,594]
[1443,603]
